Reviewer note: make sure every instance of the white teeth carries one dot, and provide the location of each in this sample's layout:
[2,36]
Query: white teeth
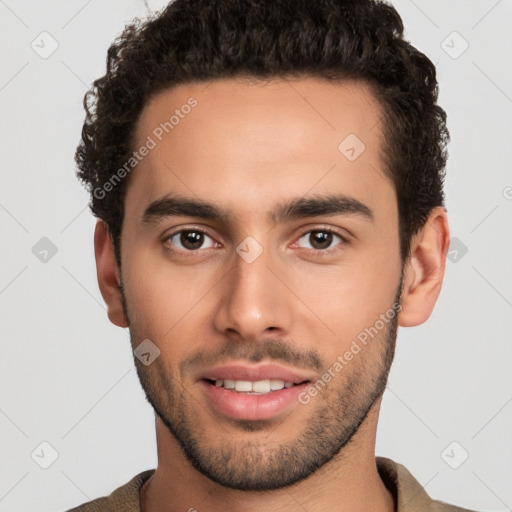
[261,386]
[258,387]
[276,384]
[243,385]
[229,384]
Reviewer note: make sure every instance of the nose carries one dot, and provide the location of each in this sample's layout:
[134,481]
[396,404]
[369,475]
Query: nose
[254,300]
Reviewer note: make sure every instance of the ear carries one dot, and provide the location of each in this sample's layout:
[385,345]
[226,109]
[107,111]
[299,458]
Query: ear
[108,275]
[424,270]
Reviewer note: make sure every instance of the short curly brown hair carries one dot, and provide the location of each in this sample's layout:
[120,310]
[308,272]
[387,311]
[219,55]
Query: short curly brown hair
[193,40]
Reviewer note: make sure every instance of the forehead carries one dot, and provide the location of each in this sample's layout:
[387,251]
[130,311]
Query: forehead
[249,144]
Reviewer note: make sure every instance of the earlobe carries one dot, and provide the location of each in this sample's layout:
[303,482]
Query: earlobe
[424,271]
[108,275]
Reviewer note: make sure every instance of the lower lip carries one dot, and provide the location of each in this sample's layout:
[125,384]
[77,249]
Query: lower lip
[242,406]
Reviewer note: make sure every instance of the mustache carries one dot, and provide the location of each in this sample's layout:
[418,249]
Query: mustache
[271,349]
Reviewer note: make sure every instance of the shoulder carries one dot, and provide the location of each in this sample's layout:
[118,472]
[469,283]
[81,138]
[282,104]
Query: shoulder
[125,498]
[409,494]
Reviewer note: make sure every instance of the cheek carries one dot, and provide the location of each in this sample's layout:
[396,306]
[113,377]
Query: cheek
[350,298]
[156,305]
[160,295]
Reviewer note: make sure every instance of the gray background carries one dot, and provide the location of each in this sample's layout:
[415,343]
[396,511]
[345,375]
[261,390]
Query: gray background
[67,374]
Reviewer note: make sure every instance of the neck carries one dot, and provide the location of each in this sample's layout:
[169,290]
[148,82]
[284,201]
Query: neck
[350,481]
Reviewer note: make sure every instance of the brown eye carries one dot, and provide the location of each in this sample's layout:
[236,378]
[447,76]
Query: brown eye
[321,239]
[189,240]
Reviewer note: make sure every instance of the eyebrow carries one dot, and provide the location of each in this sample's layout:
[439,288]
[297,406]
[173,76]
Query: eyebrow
[298,208]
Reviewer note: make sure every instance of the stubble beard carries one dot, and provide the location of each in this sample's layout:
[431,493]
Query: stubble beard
[335,416]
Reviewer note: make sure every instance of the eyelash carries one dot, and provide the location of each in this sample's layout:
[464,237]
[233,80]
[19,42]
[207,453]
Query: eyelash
[320,252]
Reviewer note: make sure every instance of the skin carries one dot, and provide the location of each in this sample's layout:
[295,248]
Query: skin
[247,147]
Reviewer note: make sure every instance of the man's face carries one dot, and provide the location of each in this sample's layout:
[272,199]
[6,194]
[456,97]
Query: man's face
[250,289]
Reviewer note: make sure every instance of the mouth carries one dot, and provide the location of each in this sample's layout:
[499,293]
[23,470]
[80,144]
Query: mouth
[252,392]
[259,387]
[266,377]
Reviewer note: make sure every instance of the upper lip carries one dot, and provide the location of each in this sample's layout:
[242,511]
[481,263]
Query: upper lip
[255,373]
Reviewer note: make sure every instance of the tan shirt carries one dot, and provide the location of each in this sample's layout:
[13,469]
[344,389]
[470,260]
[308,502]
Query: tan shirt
[408,493]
